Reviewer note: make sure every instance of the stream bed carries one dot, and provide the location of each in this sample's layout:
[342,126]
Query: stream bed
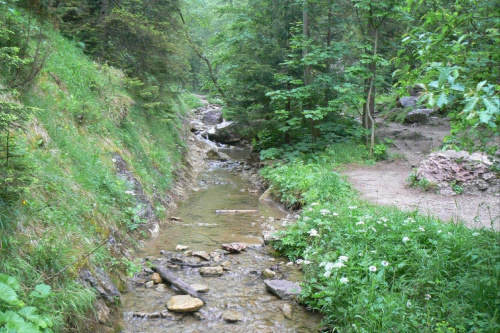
[241,287]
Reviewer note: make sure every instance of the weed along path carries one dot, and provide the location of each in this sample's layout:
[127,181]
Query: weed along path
[222,257]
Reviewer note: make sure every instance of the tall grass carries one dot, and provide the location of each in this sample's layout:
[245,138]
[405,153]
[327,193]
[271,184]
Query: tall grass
[378,269]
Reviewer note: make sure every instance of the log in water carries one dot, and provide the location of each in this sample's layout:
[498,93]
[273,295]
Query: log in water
[236,211]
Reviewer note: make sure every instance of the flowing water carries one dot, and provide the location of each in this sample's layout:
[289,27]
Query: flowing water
[241,288]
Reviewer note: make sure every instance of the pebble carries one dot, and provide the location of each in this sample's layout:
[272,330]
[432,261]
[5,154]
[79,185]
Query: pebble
[232,316]
[184,303]
[180,247]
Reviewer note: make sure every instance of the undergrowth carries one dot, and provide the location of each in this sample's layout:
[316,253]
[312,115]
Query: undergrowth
[378,269]
[84,118]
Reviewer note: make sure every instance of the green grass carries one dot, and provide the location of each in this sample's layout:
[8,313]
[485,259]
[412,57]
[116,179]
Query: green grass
[86,117]
[404,272]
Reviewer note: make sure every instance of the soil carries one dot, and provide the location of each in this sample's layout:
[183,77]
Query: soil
[386,182]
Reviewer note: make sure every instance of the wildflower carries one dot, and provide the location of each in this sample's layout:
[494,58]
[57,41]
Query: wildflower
[324,212]
[408,303]
[474,234]
[321,264]
[315,204]
[385,263]
[362,230]
[327,274]
[335,214]
[310,209]
[372,269]
[385,219]
[405,239]
[428,297]
[353,207]
[360,223]
[439,231]
[338,264]
[374,230]
[344,280]
[343,258]
[421,229]
[313,233]
[24,202]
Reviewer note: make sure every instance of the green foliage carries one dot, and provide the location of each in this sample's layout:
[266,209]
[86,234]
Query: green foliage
[454,54]
[423,183]
[376,269]
[14,315]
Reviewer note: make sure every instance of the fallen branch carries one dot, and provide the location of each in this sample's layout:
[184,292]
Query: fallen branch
[236,211]
[166,275]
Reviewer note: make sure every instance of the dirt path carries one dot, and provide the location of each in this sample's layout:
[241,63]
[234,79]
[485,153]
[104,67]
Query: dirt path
[385,183]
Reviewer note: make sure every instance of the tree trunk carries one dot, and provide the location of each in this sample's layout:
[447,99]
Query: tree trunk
[370,99]
[177,282]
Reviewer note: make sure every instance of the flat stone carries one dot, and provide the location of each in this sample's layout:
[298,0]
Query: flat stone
[201,254]
[232,316]
[226,265]
[408,101]
[287,310]
[181,247]
[211,271]
[234,247]
[150,285]
[200,288]
[161,288]
[184,303]
[156,278]
[284,289]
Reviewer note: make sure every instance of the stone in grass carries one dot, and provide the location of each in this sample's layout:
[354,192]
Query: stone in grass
[200,288]
[184,303]
[211,271]
[282,288]
[232,316]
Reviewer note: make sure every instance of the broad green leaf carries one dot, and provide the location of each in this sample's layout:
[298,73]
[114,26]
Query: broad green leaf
[480,85]
[492,108]
[484,117]
[471,104]
[9,295]
[41,291]
[434,84]
[442,100]
[458,87]
[10,281]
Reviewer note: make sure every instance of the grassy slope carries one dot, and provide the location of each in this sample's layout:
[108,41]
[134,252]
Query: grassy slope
[78,199]
[404,272]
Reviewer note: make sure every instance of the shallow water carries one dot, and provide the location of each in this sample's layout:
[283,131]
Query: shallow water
[242,287]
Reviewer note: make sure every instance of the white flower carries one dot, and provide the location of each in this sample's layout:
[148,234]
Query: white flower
[310,209]
[324,212]
[385,219]
[353,207]
[421,229]
[476,234]
[329,266]
[405,239]
[362,230]
[335,214]
[372,268]
[321,264]
[327,274]
[427,297]
[313,233]
[315,204]
[344,280]
[439,231]
[385,263]
[338,264]
[343,258]
[360,223]
[408,303]
[374,230]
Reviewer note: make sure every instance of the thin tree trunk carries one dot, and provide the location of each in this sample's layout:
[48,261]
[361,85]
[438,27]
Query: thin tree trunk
[369,105]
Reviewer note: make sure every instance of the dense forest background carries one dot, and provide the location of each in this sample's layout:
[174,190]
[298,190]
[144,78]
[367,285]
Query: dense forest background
[84,81]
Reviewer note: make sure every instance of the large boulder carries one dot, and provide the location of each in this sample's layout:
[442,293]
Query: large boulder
[215,154]
[184,303]
[420,116]
[225,132]
[212,117]
[284,289]
[408,101]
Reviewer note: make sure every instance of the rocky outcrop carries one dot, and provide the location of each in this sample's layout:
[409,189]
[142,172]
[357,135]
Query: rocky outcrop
[215,154]
[212,117]
[408,101]
[101,281]
[284,289]
[455,172]
[420,116]
[225,132]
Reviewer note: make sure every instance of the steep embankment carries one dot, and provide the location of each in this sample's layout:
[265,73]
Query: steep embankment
[103,170]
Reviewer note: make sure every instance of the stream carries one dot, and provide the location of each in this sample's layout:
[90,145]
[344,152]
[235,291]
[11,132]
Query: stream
[241,287]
